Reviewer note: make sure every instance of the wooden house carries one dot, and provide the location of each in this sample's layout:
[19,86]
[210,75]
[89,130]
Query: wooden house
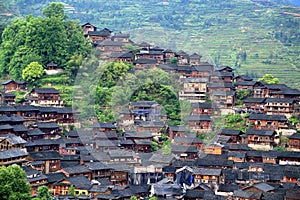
[99,170]
[195,59]
[122,57]
[45,97]
[13,156]
[263,121]
[224,69]
[202,109]
[107,47]
[153,127]
[35,179]
[199,123]
[294,142]
[11,141]
[261,139]
[188,140]
[88,27]
[104,127]
[176,131]
[185,152]
[194,89]
[242,78]
[119,174]
[77,170]
[8,98]
[254,104]
[235,135]
[182,58]
[207,175]
[152,53]
[10,85]
[42,145]
[281,106]
[221,77]
[245,85]
[223,99]
[81,185]
[49,160]
[121,37]
[145,63]
[168,55]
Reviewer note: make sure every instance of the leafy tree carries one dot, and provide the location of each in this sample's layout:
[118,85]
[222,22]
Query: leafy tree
[43,193]
[32,72]
[42,40]
[270,79]
[13,184]
[173,61]
[71,190]
[55,10]
[133,198]
[154,146]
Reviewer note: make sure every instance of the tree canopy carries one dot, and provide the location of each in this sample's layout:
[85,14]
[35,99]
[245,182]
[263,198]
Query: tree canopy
[41,39]
[33,71]
[270,79]
[13,184]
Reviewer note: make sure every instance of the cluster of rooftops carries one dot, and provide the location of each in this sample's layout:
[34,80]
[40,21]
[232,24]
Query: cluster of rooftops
[118,160]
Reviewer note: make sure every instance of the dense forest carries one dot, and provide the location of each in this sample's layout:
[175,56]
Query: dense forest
[253,36]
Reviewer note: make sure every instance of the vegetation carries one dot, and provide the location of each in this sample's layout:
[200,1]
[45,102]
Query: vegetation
[33,71]
[41,40]
[270,79]
[13,184]
[43,193]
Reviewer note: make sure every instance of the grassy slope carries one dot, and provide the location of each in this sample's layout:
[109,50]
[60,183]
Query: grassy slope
[219,30]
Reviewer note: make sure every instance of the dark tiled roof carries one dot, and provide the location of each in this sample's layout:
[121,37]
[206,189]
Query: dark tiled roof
[207,171]
[201,105]
[223,93]
[12,153]
[80,182]
[178,128]
[144,61]
[77,169]
[279,100]
[19,128]
[245,78]
[96,166]
[267,117]
[260,132]
[7,109]
[104,125]
[142,142]
[45,155]
[51,125]
[137,135]
[230,132]
[254,100]
[245,83]
[219,85]
[247,195]
[295,136]
[188,140]
[7,82]
[110,43]
[195,56]
[35,132]
[184,149]
[13,139]
[55,177]
[26,108]
[6,127]
[195,80]
[9,94]
[198,118]
[46,91]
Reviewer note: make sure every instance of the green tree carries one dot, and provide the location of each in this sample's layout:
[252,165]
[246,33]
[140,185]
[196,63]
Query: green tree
[13,184]
[270,79]
[43,193]
[133,198]
[55,10]
[173,60]
[42,40]
[71,190]
[32,72]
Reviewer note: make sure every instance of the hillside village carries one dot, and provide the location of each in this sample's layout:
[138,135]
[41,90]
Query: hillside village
[117,160]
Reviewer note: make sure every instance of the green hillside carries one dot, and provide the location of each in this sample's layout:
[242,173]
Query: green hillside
[255,37]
